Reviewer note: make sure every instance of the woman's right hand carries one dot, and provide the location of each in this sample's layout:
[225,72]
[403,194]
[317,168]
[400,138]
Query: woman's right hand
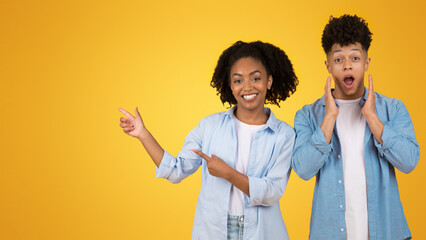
[132,125]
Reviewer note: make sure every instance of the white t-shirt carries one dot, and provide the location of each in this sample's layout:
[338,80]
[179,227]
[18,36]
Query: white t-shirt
[351,130]
[245,134]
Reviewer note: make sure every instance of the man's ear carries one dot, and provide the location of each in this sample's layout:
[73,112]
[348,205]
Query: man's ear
[270,80]
[327,65]
[367,63]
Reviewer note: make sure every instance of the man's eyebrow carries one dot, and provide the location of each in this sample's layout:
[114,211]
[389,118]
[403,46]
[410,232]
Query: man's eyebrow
[336,51]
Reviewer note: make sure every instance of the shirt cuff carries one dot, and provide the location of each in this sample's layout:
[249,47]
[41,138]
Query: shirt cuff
[387,136]
[318,141]
[255,184]
[166,166]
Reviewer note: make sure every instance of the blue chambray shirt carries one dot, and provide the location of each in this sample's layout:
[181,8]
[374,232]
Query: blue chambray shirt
[313,156]
[268,172]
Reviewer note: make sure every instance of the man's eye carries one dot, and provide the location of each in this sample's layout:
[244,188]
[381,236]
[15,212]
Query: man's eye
[337,60]
[356,58]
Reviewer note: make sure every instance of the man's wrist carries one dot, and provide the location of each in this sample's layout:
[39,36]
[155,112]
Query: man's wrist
[370,116]
[330,116]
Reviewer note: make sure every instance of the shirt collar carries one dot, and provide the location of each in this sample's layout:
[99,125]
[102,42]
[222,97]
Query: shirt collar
[364,98]
[272,122]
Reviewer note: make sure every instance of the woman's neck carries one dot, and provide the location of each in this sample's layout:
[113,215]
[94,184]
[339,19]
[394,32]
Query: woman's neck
[251,117]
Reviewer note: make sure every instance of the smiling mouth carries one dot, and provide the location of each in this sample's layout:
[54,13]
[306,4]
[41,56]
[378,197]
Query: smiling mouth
[250,97]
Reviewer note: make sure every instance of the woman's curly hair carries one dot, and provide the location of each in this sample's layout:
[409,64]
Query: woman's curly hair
[275,61]
[346,30]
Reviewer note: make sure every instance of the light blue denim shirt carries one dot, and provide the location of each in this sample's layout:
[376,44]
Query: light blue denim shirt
[268,172]
[312,156]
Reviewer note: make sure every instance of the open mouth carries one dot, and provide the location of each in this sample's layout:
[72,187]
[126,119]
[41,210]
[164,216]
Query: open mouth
[348,81]
[250,96]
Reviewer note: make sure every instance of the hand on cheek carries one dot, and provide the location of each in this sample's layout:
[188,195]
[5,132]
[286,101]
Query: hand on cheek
[368,110]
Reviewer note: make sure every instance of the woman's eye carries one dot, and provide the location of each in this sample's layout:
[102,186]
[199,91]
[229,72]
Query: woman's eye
[237,81]
[256,79]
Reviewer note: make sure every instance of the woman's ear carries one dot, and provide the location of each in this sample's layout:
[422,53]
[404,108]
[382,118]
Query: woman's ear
[270,80]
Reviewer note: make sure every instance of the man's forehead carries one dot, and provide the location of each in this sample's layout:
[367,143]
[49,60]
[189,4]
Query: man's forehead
[350,47]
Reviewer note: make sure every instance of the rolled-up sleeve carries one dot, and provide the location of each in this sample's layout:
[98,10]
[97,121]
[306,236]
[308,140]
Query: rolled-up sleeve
[186,162]
[268,190]
[399,144]
[311,149]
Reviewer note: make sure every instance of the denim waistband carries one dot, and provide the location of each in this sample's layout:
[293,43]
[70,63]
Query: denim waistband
[233,218]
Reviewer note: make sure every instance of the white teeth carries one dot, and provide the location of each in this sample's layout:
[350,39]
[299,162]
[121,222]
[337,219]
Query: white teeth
[248,97]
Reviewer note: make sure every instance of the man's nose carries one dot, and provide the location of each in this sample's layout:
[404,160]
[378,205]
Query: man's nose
[348,65]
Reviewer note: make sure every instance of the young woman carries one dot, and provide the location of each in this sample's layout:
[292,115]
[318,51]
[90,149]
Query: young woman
[244,152]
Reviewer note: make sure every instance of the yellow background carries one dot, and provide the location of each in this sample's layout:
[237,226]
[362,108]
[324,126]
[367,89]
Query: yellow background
[67,171]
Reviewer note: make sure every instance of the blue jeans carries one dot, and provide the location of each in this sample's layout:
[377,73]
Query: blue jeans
[235,227]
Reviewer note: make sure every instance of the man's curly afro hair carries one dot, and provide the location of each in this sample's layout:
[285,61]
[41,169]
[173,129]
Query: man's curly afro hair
[346,30]
[275,61]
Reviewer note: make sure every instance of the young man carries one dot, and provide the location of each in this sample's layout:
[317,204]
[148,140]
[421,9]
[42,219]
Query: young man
[351,139]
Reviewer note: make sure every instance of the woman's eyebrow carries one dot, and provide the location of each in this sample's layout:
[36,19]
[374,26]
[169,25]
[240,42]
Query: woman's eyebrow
[239,74]
[255,71]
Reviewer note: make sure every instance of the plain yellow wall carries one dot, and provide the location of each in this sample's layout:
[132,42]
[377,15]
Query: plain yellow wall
[67,171]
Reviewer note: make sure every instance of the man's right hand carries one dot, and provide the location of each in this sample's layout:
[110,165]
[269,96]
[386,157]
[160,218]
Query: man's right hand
[330,106]
[331,112]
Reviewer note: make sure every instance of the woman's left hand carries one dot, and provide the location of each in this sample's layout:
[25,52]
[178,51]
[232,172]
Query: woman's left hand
[217,167]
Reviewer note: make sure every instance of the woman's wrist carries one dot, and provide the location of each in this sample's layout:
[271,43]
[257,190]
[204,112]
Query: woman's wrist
[144,133]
